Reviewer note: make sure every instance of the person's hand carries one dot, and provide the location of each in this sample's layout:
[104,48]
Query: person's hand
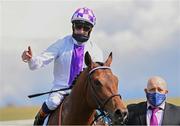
[27,55]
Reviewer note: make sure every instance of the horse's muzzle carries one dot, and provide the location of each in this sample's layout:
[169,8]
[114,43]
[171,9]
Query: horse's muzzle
[119,117]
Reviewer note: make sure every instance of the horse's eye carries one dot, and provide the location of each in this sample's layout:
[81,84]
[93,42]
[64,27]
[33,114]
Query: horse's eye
[97,83]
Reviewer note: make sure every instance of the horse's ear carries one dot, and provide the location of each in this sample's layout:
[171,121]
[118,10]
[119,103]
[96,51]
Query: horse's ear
[88,60]
[109,60]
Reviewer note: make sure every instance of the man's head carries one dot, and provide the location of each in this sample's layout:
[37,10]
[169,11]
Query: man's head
[156,91]
[83,20]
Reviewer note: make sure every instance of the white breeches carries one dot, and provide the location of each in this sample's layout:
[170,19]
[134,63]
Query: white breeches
[55,99]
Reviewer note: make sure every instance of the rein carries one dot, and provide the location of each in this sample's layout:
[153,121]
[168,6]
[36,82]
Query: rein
[101,104]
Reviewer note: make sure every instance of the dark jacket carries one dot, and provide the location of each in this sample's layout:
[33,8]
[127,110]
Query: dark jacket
[137,114]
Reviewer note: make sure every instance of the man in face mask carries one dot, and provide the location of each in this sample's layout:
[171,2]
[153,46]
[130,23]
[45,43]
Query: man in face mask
[156,92]
[155,111]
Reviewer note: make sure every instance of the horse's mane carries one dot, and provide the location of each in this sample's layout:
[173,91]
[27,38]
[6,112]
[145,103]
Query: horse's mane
[75,79]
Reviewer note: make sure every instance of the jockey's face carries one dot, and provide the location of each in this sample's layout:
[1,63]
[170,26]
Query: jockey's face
[82,29]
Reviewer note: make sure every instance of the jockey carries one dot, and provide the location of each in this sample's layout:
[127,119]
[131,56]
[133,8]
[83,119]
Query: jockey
[68,56]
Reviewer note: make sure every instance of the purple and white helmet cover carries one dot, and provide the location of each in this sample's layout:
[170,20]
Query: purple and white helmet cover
[84,14]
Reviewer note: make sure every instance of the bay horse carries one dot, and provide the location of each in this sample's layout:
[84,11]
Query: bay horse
[95,88]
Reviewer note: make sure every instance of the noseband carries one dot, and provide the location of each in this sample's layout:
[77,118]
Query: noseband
[101,104]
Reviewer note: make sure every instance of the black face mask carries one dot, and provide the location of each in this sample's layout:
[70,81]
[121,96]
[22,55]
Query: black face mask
[80,38]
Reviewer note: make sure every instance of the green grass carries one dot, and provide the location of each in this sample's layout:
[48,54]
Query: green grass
[29,112]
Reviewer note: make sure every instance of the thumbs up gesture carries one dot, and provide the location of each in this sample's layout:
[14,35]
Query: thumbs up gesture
[27,55]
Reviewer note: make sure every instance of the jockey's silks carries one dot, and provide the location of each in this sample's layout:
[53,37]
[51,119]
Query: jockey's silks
[66,53]
[76,62]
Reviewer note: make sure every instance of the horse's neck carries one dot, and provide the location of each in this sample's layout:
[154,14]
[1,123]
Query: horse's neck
[76,105]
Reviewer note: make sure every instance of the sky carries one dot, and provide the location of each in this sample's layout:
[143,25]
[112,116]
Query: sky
[143,35]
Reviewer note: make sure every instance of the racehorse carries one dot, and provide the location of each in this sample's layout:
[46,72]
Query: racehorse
[95,88]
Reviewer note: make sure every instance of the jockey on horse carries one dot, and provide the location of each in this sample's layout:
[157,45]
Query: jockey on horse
[68,56]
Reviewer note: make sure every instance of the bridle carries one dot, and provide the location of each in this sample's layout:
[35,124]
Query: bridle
[100,104]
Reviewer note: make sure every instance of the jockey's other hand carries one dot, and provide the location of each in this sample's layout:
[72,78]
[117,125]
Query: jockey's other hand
[27,55]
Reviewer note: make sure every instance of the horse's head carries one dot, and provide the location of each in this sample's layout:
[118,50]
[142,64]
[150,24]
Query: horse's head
[103,90]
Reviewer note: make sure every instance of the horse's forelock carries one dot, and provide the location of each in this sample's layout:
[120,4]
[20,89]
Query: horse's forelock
[75,79]
[100,63]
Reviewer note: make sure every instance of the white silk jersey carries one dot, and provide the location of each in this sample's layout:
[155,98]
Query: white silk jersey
[61,52]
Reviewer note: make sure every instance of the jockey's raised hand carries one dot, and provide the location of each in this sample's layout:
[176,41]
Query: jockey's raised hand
[27,55]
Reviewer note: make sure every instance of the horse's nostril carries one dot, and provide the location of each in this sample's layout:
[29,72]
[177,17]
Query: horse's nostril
[125,113]
[120,116]
[118,112]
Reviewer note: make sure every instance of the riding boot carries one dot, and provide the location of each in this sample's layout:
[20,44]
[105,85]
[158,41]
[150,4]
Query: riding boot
[41,115]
